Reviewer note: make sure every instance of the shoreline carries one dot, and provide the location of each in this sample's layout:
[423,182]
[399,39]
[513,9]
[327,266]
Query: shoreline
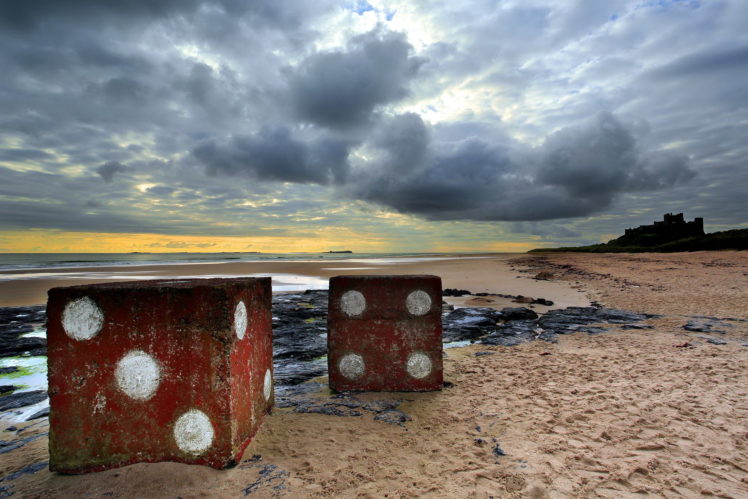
[489,273]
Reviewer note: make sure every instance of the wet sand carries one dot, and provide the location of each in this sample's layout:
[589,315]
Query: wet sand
[656,412]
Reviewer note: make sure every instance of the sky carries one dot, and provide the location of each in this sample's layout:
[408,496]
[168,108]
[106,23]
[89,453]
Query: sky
[380,126]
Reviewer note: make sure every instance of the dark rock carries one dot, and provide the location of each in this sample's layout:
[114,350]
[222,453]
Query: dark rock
[307,400]
[512,333]
[523,299]
[469,323]
[474,316]
[39,414]
[28,470]
[591,320]
[8,370]
[707,325]
[8,446]
[327,409]
[269,477]
[23,346]
[299,329]
[393,417]
[518,314]
[455,292]
[21,399]
[15,321]
[543,301]
[481,354]
[544,276]
[594,330]
[497,450]
[548,336]
[7,389]
[714,341]
[615,316]
[574,319]
[289,396]
[292,372]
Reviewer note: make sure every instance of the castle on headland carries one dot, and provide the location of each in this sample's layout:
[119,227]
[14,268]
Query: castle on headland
[670,228]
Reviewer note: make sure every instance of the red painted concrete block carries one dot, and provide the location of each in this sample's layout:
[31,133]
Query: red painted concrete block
[385,333]
[149,371]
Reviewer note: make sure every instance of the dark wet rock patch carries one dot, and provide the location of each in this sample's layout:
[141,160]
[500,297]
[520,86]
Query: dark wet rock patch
[22,399]
[17,321]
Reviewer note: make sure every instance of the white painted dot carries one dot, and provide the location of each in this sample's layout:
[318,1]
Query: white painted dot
[419,365]
[267,387]
[82,319]
[352,303]
[418,302]
[352,366]
[240,319]
[138,375]
[193,432]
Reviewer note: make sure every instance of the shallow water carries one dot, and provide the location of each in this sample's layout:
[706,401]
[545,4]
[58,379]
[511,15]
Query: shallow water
[32,374]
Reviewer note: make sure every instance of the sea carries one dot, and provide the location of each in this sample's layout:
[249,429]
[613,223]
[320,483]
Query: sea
[134,266]
[23,261]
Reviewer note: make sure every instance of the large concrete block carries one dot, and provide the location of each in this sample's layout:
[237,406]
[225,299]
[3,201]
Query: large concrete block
[149,371]
[385,333]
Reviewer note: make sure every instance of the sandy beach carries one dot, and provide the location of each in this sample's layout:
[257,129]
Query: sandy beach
[656,412]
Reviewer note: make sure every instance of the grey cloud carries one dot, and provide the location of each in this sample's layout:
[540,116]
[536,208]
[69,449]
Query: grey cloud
[602,159]
[342,88]
[274,154]
[577,171]
[30,14]
[404,139]
[111,168]
[730,59]
[545,229]
[23,155]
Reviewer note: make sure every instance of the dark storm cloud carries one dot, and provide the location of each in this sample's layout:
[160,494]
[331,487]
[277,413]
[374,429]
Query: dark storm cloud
[111,168]
[545,229]
[30,14]
[274,154]
[342,88]
[577,171]
[23,154]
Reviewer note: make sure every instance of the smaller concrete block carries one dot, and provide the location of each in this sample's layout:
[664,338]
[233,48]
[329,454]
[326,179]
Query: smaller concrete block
[152,371]
[385,333]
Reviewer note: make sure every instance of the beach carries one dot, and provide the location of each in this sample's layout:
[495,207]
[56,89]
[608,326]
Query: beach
[654,410]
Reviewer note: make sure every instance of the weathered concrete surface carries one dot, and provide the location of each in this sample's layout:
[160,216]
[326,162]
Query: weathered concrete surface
[385,333]
[156,371]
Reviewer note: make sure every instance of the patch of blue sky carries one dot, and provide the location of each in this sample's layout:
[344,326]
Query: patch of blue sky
[360,7]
